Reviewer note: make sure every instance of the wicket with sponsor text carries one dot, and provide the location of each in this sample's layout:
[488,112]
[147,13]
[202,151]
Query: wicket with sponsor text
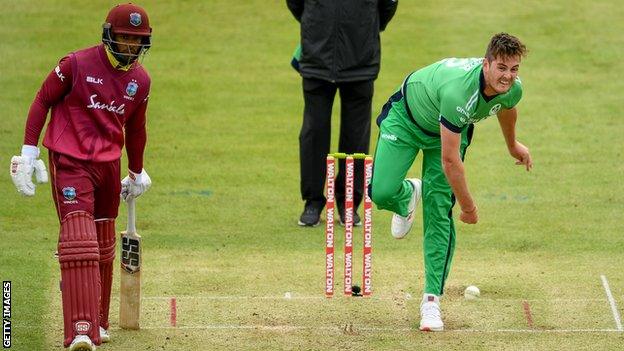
[367,245]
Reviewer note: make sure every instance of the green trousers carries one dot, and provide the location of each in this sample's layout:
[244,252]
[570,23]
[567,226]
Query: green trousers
[400,140]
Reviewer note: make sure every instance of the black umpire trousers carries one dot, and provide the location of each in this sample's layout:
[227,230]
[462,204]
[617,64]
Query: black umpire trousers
[315,136]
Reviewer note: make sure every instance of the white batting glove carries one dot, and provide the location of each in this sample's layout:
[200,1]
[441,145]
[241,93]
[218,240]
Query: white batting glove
[23,167]
[135,184]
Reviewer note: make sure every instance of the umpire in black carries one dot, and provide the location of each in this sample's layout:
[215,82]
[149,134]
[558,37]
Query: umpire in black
[340,51]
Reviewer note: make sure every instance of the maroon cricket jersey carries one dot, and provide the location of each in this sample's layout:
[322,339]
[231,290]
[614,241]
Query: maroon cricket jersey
[91,103]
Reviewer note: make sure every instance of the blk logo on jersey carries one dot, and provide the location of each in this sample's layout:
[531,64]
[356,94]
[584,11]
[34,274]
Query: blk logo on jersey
[135,19]
[59,74]
[95,80]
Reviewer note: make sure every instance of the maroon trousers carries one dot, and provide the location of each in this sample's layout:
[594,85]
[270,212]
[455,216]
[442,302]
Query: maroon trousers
[86,196]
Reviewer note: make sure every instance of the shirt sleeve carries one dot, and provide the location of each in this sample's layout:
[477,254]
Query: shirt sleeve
[53,90]
[451,115]
[136,137]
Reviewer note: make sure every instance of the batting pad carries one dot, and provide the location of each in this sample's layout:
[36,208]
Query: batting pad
[106,241]
[80,276]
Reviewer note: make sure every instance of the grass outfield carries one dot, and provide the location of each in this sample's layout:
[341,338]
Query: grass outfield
[219,224]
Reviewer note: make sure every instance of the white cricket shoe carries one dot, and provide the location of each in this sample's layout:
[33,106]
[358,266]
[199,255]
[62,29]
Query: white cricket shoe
[430,315]
[402,225]
[82,343]
[104,336]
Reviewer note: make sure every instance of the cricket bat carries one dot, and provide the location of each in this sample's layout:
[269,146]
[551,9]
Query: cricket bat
[130,277]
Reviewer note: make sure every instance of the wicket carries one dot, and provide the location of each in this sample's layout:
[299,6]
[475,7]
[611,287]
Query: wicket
[367,246]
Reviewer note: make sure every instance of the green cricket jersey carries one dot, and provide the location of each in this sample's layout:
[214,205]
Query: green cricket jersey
[449,92]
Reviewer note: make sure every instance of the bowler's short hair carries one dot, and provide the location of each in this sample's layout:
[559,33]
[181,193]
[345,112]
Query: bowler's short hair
[505,45]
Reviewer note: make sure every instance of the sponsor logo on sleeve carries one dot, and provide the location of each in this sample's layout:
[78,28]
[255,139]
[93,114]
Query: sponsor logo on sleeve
[390,137]
[59,74]
[465,110]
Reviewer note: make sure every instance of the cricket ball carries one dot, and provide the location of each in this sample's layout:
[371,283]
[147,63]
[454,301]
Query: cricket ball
[472,293]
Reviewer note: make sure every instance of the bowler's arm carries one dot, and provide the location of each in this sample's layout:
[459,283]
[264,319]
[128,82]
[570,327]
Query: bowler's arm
[507,121]
[454,168]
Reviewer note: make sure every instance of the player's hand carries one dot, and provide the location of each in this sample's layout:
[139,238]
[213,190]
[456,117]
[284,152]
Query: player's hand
[23,167]
[135,184]
[470,216]
[522,155]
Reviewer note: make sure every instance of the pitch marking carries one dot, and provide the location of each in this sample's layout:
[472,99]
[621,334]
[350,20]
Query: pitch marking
[372,329]
[616,314]
[527,313]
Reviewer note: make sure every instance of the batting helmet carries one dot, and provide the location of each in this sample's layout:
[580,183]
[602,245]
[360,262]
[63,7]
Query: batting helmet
[128,19]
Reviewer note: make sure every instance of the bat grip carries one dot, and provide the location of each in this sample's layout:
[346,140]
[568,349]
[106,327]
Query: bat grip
[131,228]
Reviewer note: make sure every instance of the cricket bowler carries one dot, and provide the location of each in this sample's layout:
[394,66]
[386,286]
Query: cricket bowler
[95,94]
[434,111]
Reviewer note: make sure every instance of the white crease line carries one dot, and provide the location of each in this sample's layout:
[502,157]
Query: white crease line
[616,314]
[373,329]
[539,331]
[374,298]
[302,297]
[352,328]
[232,297]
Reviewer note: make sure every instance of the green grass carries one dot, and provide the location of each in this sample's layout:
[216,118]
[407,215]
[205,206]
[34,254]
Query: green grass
[220,220]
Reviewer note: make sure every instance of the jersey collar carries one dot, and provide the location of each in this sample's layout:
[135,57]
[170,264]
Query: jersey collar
[113,61]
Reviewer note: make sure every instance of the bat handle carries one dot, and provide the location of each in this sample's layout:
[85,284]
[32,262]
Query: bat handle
[131,228]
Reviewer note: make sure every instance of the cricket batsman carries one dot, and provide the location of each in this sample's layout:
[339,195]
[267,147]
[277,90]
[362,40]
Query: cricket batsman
[434,111]
[95,94]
